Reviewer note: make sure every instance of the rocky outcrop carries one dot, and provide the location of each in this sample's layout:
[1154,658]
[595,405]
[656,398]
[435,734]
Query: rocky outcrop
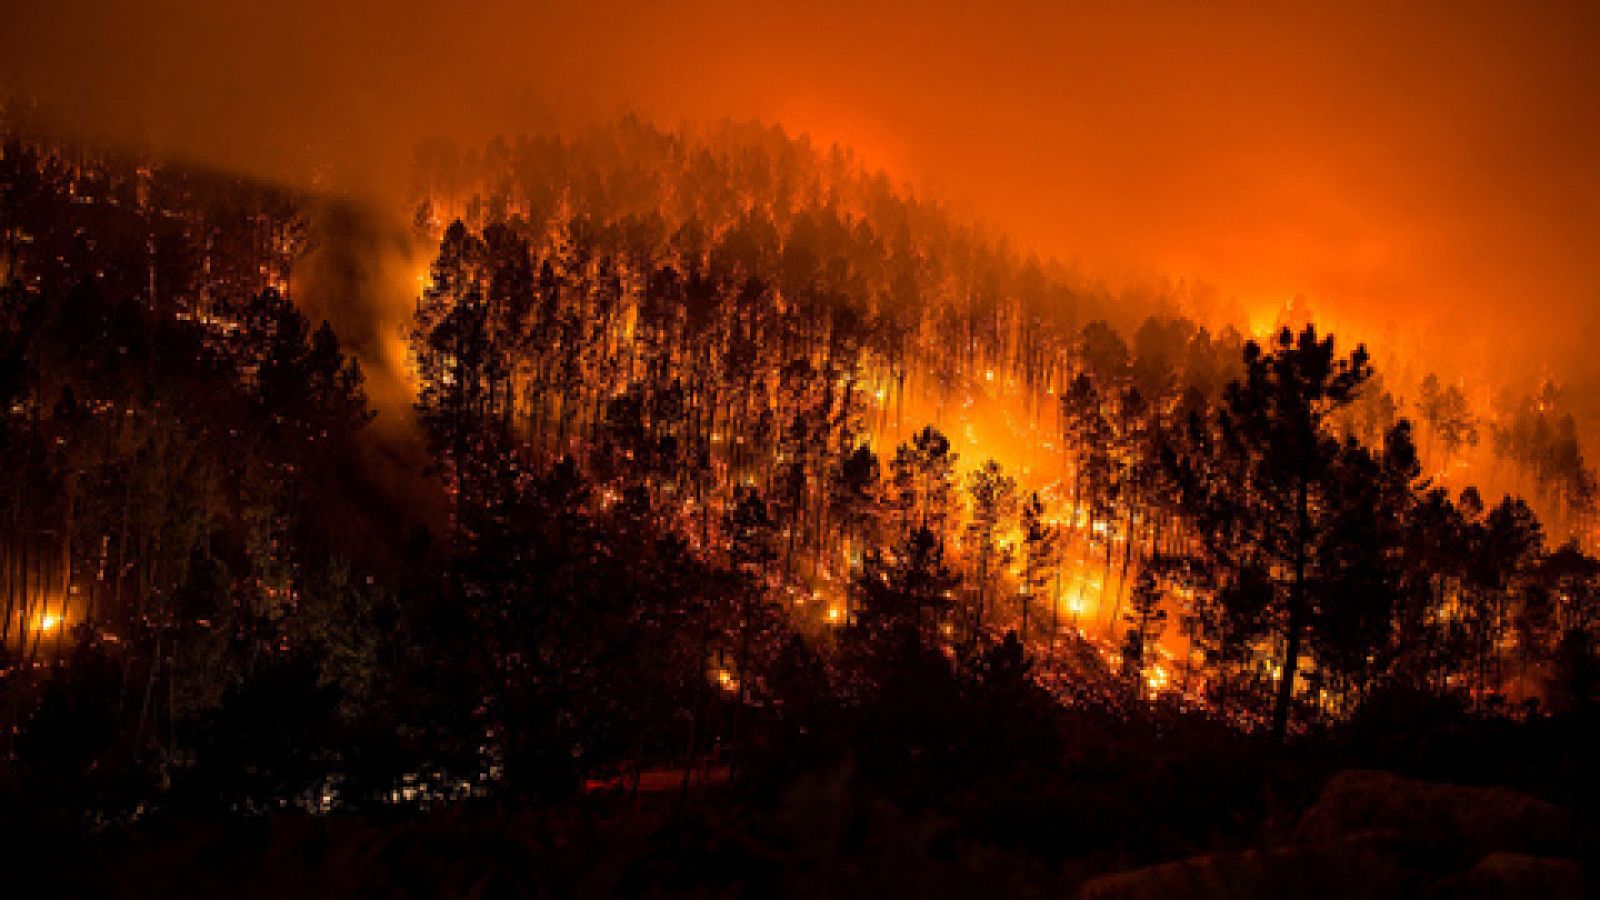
[1375,834]
[1516,875]
[1356,867]
[1472,820]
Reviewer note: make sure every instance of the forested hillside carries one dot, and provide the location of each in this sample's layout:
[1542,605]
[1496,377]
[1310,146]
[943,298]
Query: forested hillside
[754,466]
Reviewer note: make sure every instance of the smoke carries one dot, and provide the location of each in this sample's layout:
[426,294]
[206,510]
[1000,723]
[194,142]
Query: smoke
[359,269]
[1423,175]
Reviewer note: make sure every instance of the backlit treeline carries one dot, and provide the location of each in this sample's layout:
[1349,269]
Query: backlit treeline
[745,458]
[168,425]
[732,321]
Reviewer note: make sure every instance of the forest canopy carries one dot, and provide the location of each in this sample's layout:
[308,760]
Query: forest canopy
[739,460]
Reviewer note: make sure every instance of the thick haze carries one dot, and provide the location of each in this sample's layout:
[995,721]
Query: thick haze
[1432,166]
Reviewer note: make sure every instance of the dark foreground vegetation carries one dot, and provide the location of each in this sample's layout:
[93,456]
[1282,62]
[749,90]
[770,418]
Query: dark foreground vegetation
[697,594]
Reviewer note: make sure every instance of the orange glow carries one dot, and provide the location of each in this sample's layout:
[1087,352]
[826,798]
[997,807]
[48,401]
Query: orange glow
[1316,153]
[1444,204]
[1156,679]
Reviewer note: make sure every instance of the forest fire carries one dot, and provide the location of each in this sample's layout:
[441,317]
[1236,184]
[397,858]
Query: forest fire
[565,503]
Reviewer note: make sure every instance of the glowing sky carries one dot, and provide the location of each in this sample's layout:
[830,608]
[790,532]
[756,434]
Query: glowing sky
[1431,164]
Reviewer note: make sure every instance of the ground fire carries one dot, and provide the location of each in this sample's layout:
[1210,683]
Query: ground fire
[622,507]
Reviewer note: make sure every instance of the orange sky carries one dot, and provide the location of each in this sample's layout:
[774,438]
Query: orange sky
[1431,164]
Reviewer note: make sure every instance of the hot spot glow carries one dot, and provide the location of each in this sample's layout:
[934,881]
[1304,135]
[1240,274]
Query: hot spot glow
[1156,679]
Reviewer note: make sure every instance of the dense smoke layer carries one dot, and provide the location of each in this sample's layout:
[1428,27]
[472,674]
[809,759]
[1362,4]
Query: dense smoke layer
[1422,178]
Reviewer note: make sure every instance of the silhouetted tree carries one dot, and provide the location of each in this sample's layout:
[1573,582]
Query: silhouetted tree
[993,496]
[1262,485]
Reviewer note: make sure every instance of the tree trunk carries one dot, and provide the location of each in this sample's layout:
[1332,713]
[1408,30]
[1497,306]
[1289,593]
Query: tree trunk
[1291,665]
[1297,602]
